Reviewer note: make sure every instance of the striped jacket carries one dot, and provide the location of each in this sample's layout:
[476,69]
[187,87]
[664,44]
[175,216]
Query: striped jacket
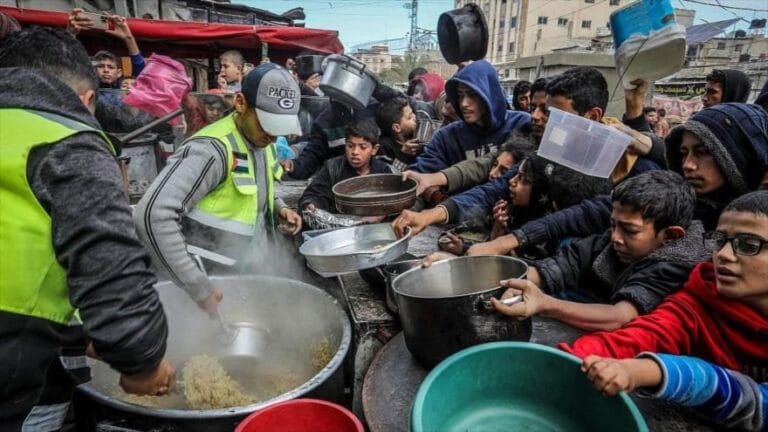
[730,398]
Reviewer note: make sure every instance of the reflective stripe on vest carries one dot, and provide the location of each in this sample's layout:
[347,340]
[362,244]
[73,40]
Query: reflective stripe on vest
[233,205]
[45,418]
[32,282]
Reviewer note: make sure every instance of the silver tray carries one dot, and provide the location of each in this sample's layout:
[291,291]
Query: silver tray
[355,248]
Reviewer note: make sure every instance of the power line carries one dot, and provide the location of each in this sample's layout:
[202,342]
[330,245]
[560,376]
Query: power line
[726,7]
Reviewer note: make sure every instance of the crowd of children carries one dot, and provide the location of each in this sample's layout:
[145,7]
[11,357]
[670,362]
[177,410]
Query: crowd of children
[664,265]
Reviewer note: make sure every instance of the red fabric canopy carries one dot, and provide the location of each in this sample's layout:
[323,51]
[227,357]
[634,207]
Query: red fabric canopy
[195,39]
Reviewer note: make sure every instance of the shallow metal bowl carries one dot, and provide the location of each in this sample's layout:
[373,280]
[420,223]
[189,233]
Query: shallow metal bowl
[356,248]
[374,195]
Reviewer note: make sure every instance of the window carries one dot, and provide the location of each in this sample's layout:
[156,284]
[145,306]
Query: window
[614,2]
[499,48]
[501,23]
[512,47]
[737,48]
[543,20]
[513,22]
[589,1]
[586,24]
[562,22]
[721,45]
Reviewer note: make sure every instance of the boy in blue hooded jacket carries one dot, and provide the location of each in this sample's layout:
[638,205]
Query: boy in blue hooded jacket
[480,102]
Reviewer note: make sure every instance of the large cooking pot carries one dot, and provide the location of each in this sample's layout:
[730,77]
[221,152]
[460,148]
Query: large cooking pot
[144,164]
[348,81]
[292,318]
[462,34]
[308,65]
[446,307]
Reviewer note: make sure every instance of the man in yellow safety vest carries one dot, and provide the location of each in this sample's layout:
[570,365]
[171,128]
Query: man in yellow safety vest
[216,195]
[67,241]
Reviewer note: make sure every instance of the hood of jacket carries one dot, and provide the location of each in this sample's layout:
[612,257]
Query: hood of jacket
[482,78]
[737,136]
[736,86]
[39,90]
[688,250]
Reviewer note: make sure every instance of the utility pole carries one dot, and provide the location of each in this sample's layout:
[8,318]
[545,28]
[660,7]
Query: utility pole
[414,24]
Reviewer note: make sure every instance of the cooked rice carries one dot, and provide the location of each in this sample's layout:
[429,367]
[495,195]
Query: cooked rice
[208,386]
[321,353]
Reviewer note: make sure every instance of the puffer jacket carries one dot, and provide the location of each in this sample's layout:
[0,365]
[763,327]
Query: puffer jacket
[591,265]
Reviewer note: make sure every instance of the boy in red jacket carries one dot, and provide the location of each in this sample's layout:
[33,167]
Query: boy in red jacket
[720,315]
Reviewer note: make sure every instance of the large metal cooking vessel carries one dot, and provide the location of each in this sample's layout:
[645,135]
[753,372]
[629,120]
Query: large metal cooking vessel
[144,165]
[347,81]
[355,248]
[374,194]
[445,308]
[293,317]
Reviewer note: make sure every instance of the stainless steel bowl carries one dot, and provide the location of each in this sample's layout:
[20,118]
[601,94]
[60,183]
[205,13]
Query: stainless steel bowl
[356,248]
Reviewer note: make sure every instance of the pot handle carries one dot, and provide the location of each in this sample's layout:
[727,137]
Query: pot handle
[377,253]
[487,305]
[355,64]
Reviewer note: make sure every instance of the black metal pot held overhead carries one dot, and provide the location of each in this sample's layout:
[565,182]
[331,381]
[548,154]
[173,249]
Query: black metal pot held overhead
[463,34]
[446,307]
[308,65]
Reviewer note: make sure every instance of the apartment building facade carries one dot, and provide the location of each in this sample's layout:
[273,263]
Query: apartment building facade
[377,58]
[524,28]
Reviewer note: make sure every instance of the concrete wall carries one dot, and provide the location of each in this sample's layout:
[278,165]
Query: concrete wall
[555,64]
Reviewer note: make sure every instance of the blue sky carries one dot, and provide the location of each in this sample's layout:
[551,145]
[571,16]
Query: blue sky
[360,21]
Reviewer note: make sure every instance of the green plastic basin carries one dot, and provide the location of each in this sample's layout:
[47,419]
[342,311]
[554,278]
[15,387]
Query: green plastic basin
[517,386]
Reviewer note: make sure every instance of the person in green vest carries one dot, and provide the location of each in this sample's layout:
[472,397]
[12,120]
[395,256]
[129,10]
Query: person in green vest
[67,241]
[215,199]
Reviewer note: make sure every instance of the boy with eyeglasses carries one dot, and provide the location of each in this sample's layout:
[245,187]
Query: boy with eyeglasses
[720,316]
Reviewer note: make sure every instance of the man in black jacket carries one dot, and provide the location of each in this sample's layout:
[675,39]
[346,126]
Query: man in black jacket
[67,241]
[626,271]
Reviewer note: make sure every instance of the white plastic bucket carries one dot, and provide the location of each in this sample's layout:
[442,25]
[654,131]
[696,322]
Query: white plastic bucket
[581,144]
[649,43]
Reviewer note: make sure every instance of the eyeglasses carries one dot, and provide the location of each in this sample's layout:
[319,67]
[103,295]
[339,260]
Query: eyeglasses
[742,244]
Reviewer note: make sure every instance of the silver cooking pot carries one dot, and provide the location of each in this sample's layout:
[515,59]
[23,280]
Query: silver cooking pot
[446,307]
[348,81]
[288,317]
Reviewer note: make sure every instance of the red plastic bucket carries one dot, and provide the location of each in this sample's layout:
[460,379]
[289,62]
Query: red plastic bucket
[302,415]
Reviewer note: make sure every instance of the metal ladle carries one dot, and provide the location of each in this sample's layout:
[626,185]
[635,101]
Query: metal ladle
[228,332]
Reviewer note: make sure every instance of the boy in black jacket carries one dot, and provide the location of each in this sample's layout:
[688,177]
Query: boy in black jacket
[626,271]
[362,143]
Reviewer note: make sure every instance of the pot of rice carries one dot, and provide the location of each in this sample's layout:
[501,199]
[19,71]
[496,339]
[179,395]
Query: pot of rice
[300,337]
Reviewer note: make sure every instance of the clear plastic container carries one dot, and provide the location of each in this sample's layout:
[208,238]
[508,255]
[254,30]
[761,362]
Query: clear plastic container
[584,145]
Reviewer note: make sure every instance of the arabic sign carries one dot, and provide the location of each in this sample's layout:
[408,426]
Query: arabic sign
[680,89]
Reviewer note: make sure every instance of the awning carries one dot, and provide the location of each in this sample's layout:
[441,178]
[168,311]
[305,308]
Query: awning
[701,33]
[195,39]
